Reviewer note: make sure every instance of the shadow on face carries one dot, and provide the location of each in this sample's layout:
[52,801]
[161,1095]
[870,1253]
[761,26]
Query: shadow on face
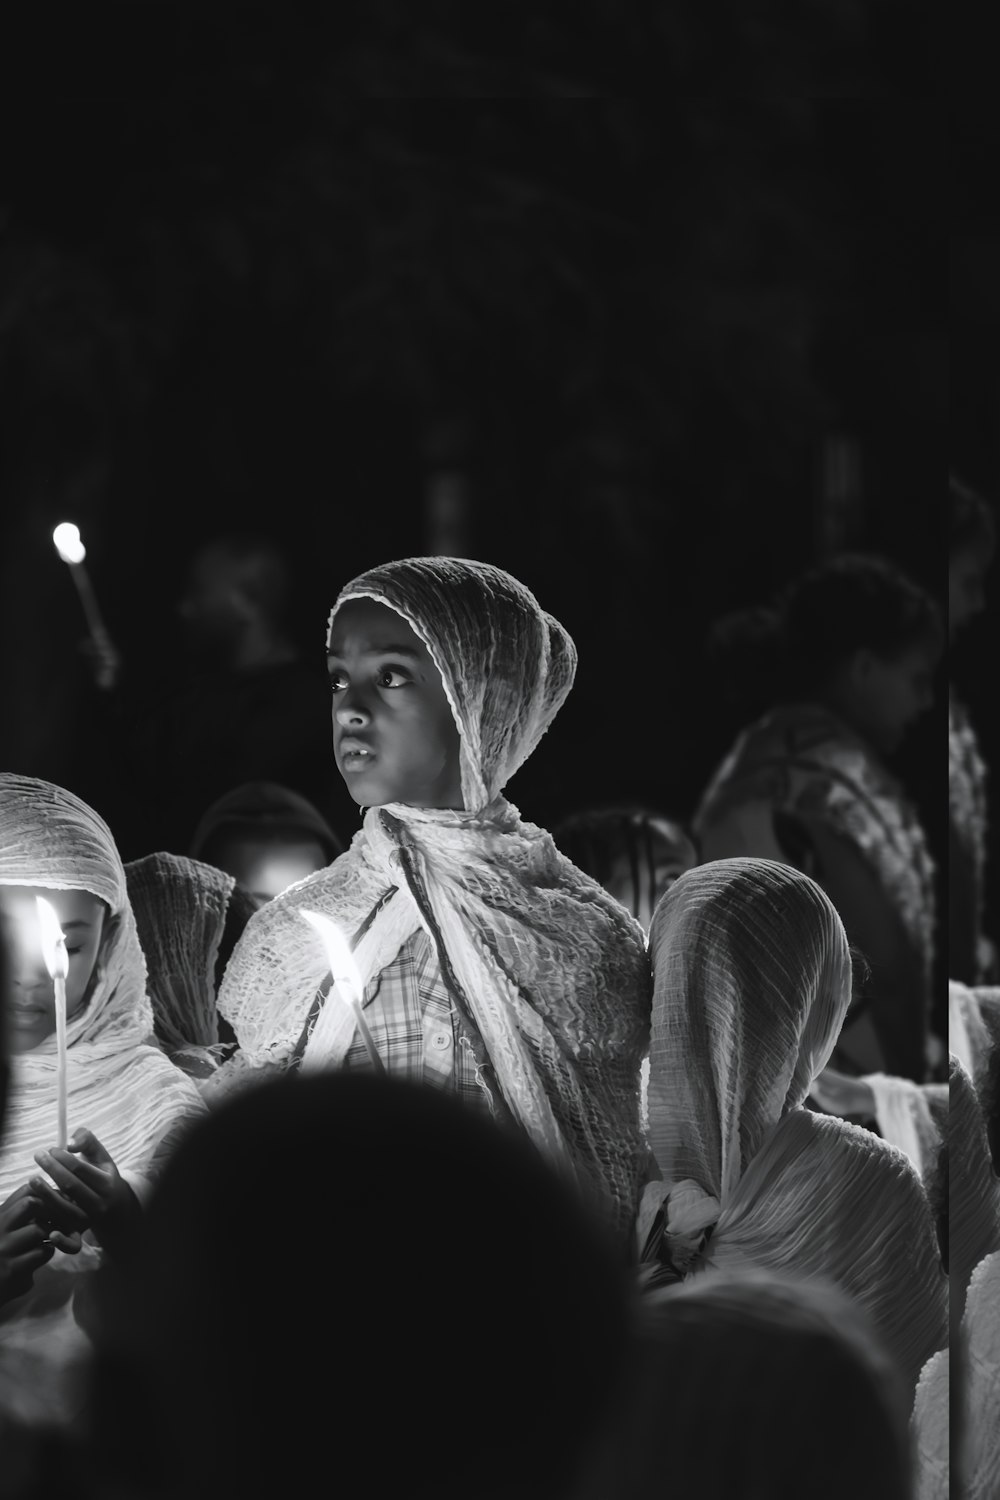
[29,993]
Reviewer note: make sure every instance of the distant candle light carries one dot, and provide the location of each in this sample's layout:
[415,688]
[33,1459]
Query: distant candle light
[68,542]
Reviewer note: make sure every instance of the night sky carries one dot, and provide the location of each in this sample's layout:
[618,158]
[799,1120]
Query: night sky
[632,329]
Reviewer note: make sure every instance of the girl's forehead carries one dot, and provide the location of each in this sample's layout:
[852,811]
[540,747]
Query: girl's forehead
[368,625]
[18,901]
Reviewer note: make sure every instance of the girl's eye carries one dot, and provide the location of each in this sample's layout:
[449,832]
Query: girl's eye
[337,683]
[70,951]
[387,673]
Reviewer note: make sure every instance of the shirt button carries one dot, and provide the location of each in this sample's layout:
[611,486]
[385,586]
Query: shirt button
[441,1040]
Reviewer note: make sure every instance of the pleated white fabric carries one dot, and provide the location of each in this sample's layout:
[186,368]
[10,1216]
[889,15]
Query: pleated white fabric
[551,970]
[751,983]
[980,1345]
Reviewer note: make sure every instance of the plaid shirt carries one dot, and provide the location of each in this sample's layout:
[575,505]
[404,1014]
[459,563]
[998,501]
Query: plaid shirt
[414,1026]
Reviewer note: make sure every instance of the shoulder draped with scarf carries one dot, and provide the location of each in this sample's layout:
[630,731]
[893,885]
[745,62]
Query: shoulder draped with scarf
[552,972]
[802,759]
[751,983]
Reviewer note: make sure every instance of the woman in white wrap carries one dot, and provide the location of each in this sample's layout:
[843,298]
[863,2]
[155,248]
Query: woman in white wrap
[126,1100]
[751,983]
[532,984]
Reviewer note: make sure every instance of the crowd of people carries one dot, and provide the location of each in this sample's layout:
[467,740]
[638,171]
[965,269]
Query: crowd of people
[664,1113]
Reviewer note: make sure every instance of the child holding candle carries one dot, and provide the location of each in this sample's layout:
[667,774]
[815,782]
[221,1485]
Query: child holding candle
[125,1099]
[491,966]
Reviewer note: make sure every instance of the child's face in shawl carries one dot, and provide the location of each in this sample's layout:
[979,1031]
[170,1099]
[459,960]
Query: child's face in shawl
[30,997]
[394,736]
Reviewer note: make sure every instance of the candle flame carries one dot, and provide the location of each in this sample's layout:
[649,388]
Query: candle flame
[53,940]
[345,971]
[68,544]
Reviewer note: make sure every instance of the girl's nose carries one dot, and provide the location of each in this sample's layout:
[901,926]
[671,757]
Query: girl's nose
[351,711]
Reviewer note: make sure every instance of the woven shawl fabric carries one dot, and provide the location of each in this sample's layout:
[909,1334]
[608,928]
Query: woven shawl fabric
[552,970]
[752,979]
[974,1189]
[180,909]
[930,1429]
[980,1346]
[119,1086]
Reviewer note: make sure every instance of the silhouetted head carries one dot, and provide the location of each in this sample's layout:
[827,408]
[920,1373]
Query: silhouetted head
[330,1265]
[746,1387]
[634,853]
[971,544]
[266,836]
[855,633]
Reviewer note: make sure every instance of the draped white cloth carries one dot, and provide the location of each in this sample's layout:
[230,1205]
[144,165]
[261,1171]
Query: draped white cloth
[119,1083]
[974,1189]
[930,1428]
[751,983]
[549,971]
[980,1345]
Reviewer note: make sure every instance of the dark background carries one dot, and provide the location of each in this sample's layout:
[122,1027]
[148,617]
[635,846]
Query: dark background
[675,353]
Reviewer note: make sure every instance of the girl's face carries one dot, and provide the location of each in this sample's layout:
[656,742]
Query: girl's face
[394,735]
[30,993]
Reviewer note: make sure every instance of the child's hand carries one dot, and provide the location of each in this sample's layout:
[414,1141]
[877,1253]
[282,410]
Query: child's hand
[91,1190]
[24,1248]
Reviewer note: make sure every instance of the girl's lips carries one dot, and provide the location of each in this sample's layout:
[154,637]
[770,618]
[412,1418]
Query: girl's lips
[356,760]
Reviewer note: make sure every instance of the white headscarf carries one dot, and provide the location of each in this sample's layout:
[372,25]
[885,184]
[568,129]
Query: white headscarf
[119,1083]
[751,983]
[552,972]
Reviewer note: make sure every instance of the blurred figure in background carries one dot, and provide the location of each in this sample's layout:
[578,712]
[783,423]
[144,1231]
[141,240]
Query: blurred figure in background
[972,539]
[752,1386]
[229,1366]
[847,659]
[251,708]
[266,837]
[634,853]
[189,917]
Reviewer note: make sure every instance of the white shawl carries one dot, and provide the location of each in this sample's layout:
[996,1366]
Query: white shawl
[752,980]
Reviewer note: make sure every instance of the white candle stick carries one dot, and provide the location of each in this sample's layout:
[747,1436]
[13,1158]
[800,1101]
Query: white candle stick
[57,963]
[346,976]
[70,547]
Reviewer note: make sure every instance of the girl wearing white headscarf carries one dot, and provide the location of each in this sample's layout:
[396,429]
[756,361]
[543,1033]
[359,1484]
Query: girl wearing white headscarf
[752,980]
[120,1086]
[546,976]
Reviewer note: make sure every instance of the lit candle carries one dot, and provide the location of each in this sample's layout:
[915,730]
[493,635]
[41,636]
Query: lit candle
[346,976]
[70,547]
[57,963]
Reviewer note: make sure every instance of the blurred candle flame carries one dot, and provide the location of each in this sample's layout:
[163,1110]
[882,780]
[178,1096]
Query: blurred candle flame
[53,940]
[345,971]
[68,543]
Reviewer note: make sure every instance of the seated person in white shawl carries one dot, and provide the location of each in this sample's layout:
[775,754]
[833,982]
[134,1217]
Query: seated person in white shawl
[490,966]
[751,983]
[126,1100]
